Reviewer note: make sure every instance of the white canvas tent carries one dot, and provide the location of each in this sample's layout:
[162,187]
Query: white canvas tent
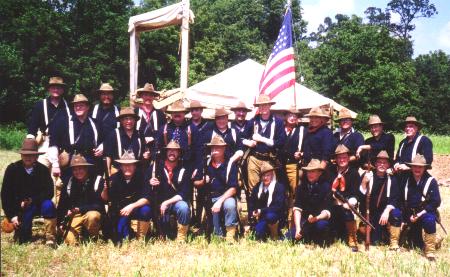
[240,83]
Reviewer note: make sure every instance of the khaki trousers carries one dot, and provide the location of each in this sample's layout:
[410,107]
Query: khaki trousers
[89,220]
[291,172]
[254,171]
[43,159]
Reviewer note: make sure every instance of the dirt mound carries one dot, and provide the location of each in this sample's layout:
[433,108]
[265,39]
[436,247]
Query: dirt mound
[441,169]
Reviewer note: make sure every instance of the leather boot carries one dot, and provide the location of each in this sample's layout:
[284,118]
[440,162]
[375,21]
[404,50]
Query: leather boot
[50,231]
[439,240]
[182,232]
[273,230]
[394,238]
[429,241]
[142,229]
[231,232]
[351,231]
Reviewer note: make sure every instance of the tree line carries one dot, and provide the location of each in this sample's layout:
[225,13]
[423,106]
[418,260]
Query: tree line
[366,63]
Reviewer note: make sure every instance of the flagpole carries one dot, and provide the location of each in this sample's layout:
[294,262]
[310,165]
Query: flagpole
[184,47]
[288,6]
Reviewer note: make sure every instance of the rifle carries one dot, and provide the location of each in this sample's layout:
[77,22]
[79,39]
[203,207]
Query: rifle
[341,198]
[155,193]
[207,201]
[66,223]
[422,207]
[367,240]
[109,228]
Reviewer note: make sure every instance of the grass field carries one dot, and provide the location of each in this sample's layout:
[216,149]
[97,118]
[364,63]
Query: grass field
[247,258]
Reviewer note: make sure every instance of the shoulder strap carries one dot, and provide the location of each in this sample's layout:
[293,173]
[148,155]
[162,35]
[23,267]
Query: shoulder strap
[401,148]
[155,120]
[67,109]
[388,189]
[45,113]
[300,137]
[138,123]
[416,145]
[180,175]
[95,111]
[427,186]
[119,143]
[227,174]
[233,134]
[69,186]
[71,132]
[165,134]
[97,182]
[94,129]
[189,135]
[117,113]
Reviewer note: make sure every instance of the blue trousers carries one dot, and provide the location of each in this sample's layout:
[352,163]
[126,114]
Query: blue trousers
[381,233]
[426,222]
[46,209]
[317,232]
[261,227]
[123,225]
[228,212]
[181,211]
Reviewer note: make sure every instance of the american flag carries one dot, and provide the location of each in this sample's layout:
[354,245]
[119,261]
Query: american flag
[279,74]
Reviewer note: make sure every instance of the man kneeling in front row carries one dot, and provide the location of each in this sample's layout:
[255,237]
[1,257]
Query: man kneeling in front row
[267,203]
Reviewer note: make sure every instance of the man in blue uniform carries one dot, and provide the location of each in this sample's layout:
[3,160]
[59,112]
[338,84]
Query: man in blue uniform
[312,206]
[422,198]
[382,192]
[267,204]
[27,191]
[348,136]
[267,137]
[173,183]
[220,185]
[80,200]
[105,113]
[196,110]
[373,145]
[129,195]
[242,126]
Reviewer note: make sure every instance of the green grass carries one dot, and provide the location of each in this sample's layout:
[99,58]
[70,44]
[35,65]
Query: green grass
[12,135]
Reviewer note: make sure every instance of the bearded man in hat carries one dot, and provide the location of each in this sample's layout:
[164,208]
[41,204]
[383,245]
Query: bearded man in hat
[79,134]
[346,181]
[81,201]
[46,113]
[422,198]
[267,204]
[267,137]
[220,182]
[196,110]
[105,113]
[414,143]
[379,141]
[382,191]
[150,120]
[27,191]
[129,195]
[348,136]
[291,153]
[312,206]
[173,183]
[123,139]
[318,142]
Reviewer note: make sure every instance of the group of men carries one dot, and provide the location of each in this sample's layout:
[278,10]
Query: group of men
[91,170]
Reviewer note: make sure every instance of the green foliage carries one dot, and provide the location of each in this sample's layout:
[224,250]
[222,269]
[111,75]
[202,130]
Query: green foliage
[12,135]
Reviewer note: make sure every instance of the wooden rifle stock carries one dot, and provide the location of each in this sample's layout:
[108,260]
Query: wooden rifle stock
[367,240]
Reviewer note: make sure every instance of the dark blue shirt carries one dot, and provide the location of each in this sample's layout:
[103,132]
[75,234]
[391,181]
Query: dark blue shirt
[122,193]
[352,181]
[105,118]
[218,184]
[312,199]
[318,145]
[380,191]
[291,145]
[151,128]
[55,114]
[415,192]
[135,144]
[245,130]
[276,206]
[383,142]
[279,135]
[405,149]
[180,184]
[351,140]
[230,136]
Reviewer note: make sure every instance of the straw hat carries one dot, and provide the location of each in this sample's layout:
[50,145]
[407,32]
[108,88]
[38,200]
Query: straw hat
[344,114]
[79,98]
[106,87]
[147,88]
[412,119]
[127,111]
[303,120]
[293,109]
[79,160]
[220,112]
[341,149]
[217,141]
[30,147]
[263,99]
[266,167]
[176,107]
[241,106]
[375,119]
[317,111]
[383,155]
[173,144]
[56,81]
[314,164]
[194,104]
[127,158]
[419,160]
